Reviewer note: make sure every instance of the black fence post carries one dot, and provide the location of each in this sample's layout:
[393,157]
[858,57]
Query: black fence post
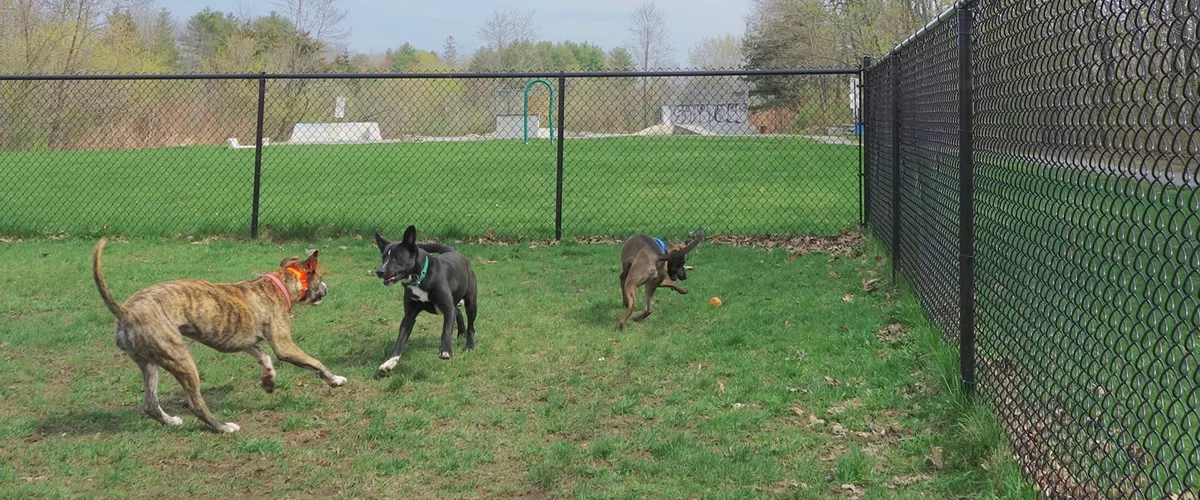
[258,146]
[558,195]
[864,141]
[896,182]
[966,204]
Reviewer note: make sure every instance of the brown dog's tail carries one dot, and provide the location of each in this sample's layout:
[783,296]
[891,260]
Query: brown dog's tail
[98,275]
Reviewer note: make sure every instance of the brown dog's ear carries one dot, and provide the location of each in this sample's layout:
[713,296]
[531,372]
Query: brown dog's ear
[680,252]
[381,242]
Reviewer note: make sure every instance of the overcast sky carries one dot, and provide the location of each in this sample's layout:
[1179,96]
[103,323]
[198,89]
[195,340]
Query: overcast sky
[376,25]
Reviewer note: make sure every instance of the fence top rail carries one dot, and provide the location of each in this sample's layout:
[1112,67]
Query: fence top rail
[365,76]
[941,18]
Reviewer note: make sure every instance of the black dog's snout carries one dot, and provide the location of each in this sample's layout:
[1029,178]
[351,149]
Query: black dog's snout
[379,273]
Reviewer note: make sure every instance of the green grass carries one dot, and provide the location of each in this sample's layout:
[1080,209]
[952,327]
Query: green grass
[610,187]
[694,401]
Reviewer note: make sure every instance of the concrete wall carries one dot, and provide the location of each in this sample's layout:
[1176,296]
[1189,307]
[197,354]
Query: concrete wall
[509,127]
[325,133]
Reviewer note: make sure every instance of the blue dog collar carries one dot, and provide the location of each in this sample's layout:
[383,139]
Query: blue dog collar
[662,245]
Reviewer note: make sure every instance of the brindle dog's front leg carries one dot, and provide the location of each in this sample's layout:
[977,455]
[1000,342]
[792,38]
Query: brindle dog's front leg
[289,352]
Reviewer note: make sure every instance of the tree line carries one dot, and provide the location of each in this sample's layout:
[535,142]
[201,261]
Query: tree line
[308,36]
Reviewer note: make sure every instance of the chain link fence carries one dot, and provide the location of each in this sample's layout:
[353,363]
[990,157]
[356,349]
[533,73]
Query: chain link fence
[1062,191]
[469,155]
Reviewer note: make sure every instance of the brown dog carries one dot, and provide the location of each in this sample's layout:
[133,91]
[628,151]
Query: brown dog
[649,261]
[232,317]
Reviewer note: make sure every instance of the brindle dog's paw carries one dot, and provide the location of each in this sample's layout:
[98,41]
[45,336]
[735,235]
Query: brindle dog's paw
[682,291]
[268,385]
[173,421]
[228,427]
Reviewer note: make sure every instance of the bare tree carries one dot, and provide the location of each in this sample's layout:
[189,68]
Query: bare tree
[503,28]
[651,41]
[721,52]
[322,19]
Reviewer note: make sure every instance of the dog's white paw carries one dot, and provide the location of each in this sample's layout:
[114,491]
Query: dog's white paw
[173,421]
[388,365]
[337,381]
[228,427]
[445,355]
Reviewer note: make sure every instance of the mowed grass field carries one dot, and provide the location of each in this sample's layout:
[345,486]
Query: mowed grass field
[612,187]
[787,391]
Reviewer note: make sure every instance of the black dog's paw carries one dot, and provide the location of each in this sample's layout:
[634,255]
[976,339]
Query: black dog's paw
[445,354]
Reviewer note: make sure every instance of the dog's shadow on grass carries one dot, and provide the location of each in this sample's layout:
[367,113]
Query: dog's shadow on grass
[130,418]
[371,352]
[597,313]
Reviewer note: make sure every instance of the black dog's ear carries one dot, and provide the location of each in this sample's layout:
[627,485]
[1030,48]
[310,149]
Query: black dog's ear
[381,242]
[410,237]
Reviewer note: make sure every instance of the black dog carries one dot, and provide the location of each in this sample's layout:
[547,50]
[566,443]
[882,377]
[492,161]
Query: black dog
[432,283]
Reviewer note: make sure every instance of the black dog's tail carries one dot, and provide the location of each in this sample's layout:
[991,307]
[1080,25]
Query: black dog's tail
[436,248]
[115,307]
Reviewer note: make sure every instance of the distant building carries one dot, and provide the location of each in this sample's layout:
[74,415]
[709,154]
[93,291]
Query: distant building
[713,105]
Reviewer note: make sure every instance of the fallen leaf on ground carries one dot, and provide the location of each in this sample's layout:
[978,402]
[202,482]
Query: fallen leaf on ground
[813,420]
[833,382]
[907,480]
[891,333]
[798,411]
[869,285]
[721,387]
[837,430]
[847,298]
[935,458]
[840,409]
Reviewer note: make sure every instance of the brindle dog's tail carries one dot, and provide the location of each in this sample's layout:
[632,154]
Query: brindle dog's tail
[98,274]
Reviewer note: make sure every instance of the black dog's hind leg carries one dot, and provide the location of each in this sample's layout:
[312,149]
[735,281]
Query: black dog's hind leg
[472,304]
[445,304]
[458,320]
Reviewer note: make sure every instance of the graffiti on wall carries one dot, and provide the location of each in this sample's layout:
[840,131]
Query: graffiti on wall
[708,113]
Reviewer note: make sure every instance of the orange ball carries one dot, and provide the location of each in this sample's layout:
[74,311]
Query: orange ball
[715,302]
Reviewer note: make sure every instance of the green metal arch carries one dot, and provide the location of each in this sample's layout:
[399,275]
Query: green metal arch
[549,112]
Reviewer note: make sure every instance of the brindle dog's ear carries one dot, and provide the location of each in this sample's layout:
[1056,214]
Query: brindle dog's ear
[289,261]
[311,263]
[381,242]
[410,237]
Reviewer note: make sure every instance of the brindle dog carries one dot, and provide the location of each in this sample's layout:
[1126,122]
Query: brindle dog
[649,261]
[232,317]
